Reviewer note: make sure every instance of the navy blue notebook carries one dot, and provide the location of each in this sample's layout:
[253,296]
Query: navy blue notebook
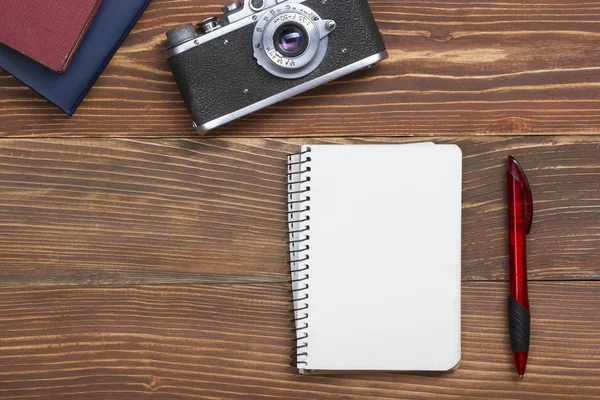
[112,24]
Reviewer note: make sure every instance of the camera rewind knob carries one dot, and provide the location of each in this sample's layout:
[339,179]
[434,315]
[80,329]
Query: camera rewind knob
[209,25]
[181,34]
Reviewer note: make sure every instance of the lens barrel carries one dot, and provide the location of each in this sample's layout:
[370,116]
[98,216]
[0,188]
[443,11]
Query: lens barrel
[291,39]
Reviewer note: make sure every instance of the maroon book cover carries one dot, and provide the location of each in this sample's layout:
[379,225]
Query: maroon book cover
[47,31]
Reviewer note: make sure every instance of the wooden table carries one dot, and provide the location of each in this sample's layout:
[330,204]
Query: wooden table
[139,260]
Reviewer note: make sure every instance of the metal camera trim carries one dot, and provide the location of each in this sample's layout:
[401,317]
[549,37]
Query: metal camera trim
[275,62]
[246,16]
[368,62]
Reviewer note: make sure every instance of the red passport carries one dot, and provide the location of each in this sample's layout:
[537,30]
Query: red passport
[47,31]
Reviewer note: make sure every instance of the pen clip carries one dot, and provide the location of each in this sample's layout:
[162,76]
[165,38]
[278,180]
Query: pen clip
[514,168]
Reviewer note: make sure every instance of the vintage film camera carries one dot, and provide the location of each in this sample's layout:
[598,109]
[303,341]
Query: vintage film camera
[264,51]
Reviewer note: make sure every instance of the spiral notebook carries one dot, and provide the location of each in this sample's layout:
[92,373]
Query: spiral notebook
[375,253]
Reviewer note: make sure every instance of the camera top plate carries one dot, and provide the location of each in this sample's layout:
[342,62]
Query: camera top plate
[228,23]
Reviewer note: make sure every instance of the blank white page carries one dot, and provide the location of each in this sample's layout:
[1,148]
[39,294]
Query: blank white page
[385,257]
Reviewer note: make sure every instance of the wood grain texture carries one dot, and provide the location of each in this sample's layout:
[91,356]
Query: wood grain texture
[94,211]
[455,68]
[232,342]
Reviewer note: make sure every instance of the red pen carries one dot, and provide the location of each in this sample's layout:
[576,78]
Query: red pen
[520,217]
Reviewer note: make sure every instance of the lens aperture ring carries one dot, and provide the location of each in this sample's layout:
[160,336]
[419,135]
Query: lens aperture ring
[290,40]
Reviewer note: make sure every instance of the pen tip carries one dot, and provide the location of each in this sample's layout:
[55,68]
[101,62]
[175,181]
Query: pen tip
[521,376]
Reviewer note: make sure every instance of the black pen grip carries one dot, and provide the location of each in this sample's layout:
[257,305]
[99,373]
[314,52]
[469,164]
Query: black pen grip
[519,324]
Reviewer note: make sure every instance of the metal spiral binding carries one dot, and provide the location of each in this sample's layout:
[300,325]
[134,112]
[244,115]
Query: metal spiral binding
[298,238]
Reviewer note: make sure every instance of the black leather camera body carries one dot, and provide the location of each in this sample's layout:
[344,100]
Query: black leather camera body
[265,51]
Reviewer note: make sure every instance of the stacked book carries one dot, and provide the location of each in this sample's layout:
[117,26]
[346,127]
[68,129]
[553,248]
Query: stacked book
[59,48]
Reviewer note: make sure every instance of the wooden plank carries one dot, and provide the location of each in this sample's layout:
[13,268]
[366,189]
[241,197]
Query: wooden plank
[93,211]
[455,68]
[232,342]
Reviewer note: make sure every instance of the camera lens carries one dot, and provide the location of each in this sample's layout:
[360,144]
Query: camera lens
[291,39]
